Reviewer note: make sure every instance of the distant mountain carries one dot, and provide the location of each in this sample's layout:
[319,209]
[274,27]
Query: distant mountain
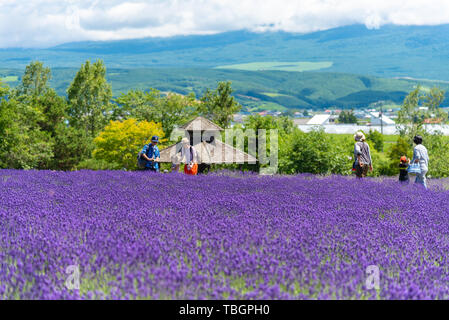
[151,45]
[348,67]
[391,51]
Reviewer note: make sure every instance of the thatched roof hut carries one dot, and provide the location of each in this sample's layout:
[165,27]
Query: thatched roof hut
[202,124]
[205,137]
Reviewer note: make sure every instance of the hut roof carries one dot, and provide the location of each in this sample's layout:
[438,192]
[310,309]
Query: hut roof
[210,153]
[201,124]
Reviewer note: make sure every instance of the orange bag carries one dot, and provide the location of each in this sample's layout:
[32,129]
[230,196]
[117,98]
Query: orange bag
[193,169]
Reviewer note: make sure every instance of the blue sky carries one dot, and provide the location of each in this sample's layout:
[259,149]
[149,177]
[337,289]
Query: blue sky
[43,23]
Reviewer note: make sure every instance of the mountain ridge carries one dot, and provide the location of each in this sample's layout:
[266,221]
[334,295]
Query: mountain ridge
[390,51]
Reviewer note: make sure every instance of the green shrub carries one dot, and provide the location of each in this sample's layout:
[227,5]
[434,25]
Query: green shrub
[377,139]
[312,152]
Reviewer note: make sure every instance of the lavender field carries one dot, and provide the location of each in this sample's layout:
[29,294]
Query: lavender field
[137,235]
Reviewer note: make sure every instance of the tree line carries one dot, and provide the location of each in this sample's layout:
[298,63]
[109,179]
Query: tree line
[40,129]
[90,129]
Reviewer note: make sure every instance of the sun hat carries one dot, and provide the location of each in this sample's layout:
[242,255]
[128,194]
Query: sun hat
[185,141]
[359,136]
[403,159]
[154,139]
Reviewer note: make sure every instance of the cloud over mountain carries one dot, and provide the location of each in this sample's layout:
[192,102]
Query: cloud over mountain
[40,23]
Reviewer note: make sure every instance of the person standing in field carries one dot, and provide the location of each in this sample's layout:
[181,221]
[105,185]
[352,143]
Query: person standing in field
[151,154]
[362,156]
[189,155]
[403,173]
[175,162]
[421,156]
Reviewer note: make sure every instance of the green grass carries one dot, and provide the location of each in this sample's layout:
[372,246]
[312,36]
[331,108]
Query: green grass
[299,66]
[388,138]
[274,95]
[271,106]
[10,79]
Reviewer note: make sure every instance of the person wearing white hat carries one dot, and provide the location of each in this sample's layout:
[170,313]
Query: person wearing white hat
[189,155]
[362,156]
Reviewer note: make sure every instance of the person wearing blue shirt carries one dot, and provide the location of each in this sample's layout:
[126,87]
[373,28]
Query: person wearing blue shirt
[151,154]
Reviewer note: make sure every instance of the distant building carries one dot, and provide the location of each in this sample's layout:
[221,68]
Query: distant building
[300,121]
[433,121]
[319,119]
[377,119]
[333,118]
[360,114]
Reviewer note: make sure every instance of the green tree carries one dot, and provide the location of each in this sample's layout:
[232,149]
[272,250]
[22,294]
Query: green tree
[219,105]
[256,123]
[89,97]
[312,152]
[120,142]
[138,104]
[71,147]
[347,117]
[411,118]
[170,110]
[34,80]
[397,150]
[4,90]
[52,111]
[34,127]
[23,144]
[377,139]
[433,100]
[176,110]
[284,127]
[6,115]
[438,149]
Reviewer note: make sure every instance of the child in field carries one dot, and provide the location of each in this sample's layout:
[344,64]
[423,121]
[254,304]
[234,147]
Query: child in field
[175,163]
[403,173]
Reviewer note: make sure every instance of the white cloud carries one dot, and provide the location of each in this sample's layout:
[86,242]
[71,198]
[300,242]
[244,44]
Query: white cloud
[28,23]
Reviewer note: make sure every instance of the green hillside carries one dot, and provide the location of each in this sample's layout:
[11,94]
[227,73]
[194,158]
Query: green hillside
[276,90]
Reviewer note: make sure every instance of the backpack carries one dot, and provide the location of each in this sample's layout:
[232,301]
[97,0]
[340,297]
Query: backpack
[363,148]
[142,162]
